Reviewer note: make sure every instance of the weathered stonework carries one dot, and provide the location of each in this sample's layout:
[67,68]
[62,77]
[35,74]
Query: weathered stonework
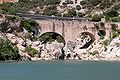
[71,29]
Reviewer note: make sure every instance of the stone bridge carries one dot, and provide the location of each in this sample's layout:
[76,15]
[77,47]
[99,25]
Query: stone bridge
[71,29]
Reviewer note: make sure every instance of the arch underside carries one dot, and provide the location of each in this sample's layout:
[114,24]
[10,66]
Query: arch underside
[90,42]
[54,36]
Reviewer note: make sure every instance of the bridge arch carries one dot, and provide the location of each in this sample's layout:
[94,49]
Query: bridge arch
[89,37]
[52,36]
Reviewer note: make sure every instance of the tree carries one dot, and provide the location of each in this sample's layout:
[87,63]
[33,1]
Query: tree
[115,19]
[8,51]
[26,25]
[105,4]
[112,13]
[31,51]
[51,10]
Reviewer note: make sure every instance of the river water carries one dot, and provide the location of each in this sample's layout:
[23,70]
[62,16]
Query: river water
[60,70]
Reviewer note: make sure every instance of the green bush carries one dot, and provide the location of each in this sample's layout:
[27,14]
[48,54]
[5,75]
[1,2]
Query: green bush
[51,10]
[94,2]
[83,2]
[96,18]
[114,34]
[105,4]
[26,25]
[94,52]
[115,31]
[115,19]
[71,13]
[112,13]
[6,8]
[31,51]
[50,37]
[80,14]
[8,51]
[116,7]
[52,2]
[117,44]
[106,42]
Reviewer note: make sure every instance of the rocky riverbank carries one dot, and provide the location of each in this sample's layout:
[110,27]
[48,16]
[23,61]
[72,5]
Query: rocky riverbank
[51,51]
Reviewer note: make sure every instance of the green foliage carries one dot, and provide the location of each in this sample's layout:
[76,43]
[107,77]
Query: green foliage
[112,13]
[83,2]
[51,10]
[6,8]
[94,2]
[26,25]
[28,36]
[115,19]
[116,7]
[105,4]
[8,51]
[115,31]
[31,51]
[11,18]
[24,1]
[89,16]
[50,37]
[71,13]
[114,34]
[106,43]
[96,18]
[12,8]
[80,14]
[52,2]
[94,52]
[117,44]
[60,39]
[4,27]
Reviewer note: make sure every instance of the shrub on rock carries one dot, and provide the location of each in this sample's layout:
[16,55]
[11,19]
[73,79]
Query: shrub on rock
[8,51]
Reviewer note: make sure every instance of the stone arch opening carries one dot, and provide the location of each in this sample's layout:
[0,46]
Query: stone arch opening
[86,39]
[102,34]
[57,48]
[52,36]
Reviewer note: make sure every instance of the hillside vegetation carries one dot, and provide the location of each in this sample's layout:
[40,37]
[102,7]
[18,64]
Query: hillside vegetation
[94,10]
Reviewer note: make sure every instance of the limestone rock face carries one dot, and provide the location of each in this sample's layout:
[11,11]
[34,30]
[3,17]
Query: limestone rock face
[18,42]
[72,50]
[52,50]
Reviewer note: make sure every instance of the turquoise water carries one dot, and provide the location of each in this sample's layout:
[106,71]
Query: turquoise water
[60,70]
